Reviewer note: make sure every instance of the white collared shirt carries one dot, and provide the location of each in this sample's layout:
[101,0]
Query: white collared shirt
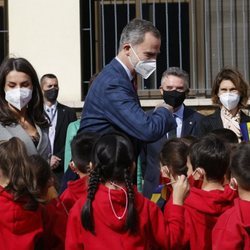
[179,119]
[52,113]
[126,68]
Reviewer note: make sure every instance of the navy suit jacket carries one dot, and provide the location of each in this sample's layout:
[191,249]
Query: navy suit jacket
[150,153]
[214,121]
[65,115]
[112,104]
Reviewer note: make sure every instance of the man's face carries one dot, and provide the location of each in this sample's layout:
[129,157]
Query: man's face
[148,49]
[171,83]
[49,83]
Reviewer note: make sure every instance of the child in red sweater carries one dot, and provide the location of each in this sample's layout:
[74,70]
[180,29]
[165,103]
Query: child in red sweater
[21,215]
[210,158]
[54,213]
[232,230]
[113,214]
[173,162]
[81,147]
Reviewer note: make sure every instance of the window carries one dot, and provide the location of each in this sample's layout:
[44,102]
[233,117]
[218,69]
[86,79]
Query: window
[3,30]
[199,36]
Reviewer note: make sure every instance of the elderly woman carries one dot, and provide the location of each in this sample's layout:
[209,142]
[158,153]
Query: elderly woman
[230,92]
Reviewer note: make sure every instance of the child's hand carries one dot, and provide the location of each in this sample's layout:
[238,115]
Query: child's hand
[180,190]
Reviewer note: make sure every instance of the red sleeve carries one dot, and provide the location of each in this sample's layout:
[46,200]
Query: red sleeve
[55,221]
[174,219]
[167,232]
[226,235]
[74,228]
[67,199]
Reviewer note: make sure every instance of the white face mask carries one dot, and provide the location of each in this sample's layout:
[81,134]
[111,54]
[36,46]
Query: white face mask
[18,97]
[144,68]
[229,100]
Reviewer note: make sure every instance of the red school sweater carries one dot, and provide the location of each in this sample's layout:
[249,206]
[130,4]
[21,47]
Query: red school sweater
[75,190]
[55,218]
[232,230]
[202,209]
[153,231]
[19,228]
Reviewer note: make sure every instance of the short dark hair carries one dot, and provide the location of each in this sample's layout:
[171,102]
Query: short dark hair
[212,154]
[81,148]
[175,71]
[134,32]
[49,75]
[240,165]
[226,135]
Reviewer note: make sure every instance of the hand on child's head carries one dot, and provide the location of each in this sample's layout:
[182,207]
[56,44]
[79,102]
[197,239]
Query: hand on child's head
[180,190]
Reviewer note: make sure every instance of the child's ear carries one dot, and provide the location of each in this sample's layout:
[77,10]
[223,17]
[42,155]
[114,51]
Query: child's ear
[233,184]
[73,167]
[165,171]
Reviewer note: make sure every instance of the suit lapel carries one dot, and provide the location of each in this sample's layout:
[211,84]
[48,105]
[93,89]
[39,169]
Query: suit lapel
[188,123]
[60,118]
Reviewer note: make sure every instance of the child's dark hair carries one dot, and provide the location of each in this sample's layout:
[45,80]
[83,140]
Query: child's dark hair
[112,159]
[15,166]
[81,148]
[240,165]
[42,172]
[227,135]
[174,154]
[212,154]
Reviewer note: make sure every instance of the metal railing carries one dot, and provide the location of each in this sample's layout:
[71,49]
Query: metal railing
[200,36]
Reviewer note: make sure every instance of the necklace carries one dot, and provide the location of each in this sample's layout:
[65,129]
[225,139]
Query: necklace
[111,204]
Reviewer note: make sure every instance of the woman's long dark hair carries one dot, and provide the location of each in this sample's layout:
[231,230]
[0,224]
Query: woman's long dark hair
[15,167]
[112,159]
[35,105]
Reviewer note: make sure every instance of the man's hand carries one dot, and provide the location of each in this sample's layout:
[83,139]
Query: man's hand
[165,105]
[54,161]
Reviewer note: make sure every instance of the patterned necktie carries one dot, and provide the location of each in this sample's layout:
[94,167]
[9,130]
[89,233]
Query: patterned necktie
[172,133]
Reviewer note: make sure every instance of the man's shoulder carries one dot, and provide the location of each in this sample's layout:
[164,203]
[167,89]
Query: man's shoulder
[190,112]
[65,107]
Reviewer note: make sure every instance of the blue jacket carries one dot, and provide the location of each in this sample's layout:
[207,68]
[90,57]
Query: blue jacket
[112,104]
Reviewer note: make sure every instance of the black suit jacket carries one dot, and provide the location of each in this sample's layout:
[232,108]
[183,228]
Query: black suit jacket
[150,152]
[214,121]
[65,115]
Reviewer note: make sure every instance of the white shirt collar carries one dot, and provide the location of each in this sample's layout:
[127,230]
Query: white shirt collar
[46,107]
[125,67]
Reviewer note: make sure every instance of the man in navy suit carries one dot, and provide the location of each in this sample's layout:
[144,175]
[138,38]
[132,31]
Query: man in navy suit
[112,103]
[174,89]
[60,117]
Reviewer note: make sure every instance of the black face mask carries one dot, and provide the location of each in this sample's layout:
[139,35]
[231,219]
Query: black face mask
[51,94]
[174,98]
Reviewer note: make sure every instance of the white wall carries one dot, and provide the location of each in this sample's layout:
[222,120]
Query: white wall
[47,33]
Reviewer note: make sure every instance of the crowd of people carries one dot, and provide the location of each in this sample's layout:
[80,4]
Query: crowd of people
[196,168]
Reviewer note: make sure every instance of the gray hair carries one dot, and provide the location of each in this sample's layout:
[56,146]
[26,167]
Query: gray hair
[175,71]
[134,32]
